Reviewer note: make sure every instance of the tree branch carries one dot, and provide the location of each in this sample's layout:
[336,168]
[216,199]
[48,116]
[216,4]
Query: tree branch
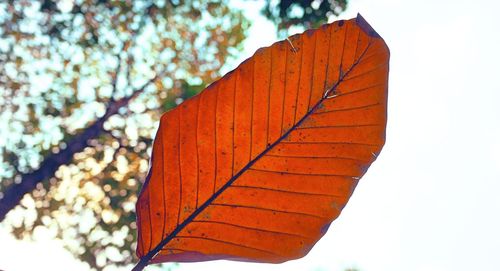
[14,193]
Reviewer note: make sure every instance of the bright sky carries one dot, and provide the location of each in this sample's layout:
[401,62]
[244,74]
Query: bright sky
[431,201]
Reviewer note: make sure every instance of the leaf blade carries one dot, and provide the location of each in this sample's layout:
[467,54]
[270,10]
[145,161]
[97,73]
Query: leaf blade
[326,123]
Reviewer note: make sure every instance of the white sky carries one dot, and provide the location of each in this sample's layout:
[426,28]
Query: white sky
[431,202]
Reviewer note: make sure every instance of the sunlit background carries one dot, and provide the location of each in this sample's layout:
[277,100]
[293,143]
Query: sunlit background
[429,203]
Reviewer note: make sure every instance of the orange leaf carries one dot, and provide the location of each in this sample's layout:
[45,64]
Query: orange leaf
[257,166]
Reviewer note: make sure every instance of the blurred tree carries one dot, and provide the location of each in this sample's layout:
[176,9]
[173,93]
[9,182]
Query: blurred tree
[83,83]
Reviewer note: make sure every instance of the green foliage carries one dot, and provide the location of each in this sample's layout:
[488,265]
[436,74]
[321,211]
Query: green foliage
[304,13]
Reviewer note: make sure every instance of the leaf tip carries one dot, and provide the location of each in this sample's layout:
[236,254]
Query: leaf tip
[363,24]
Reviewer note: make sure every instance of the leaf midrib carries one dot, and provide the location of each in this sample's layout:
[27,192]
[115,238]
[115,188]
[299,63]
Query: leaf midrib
[144,259]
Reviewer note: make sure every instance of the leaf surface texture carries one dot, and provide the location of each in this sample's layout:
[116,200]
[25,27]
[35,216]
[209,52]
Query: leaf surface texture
[257,166]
